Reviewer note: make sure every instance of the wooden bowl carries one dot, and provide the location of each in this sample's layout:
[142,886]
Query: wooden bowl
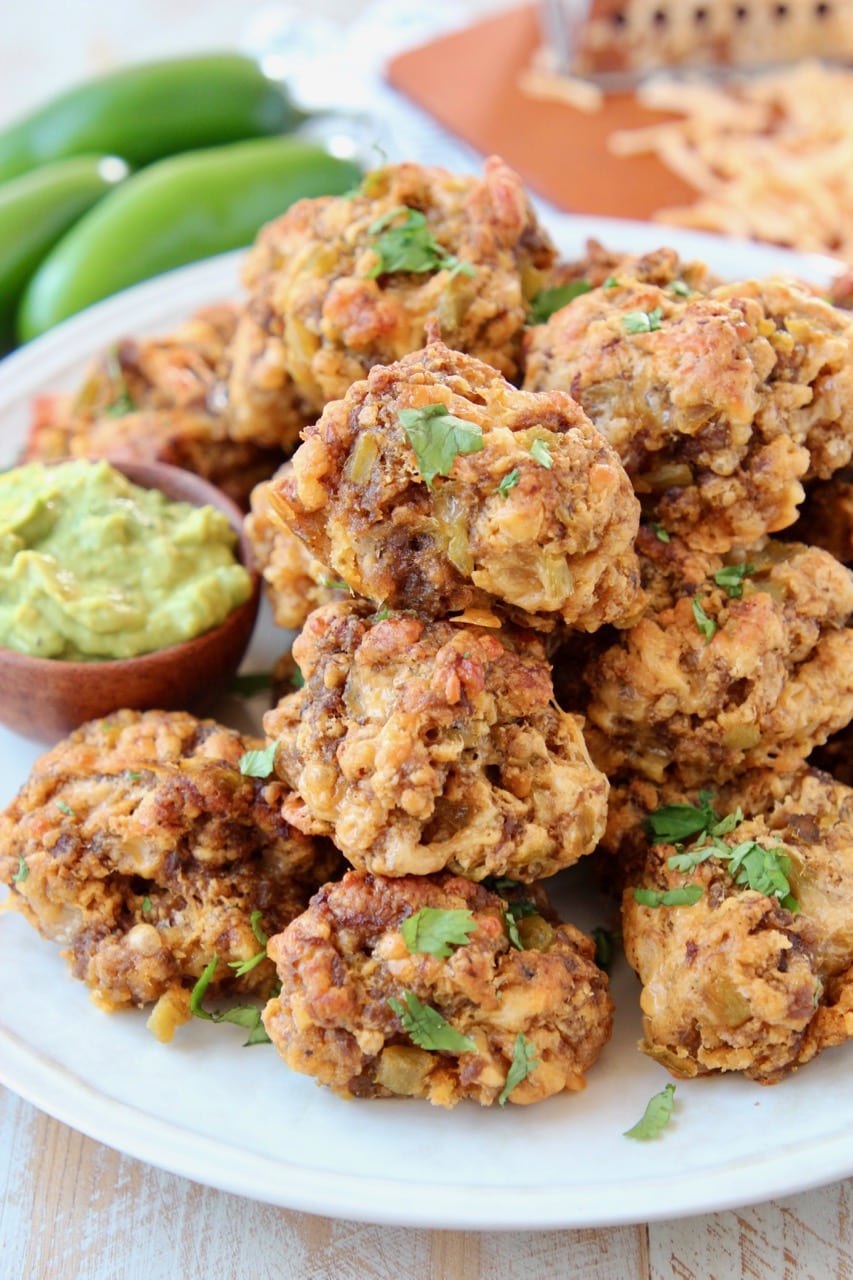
[45,698]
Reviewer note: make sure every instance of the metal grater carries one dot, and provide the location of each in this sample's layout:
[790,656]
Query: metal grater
[617,42]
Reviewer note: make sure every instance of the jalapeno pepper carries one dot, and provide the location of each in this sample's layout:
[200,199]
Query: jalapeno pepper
[149,111]
[36,210]
[174,212]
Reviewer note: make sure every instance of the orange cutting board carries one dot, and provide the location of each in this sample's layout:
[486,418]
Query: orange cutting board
[468,80]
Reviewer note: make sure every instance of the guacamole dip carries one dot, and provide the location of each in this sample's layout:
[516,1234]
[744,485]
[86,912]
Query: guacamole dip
[92,566]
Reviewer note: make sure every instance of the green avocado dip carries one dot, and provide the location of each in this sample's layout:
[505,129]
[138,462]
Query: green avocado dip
[93,567]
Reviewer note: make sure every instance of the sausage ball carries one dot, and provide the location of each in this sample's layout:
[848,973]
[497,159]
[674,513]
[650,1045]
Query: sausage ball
[718,404]
[601,265]
[158,399]
[436,485]
[138,844]
[419,745]
[751,666]
[339,284]
[527,1023]
[754,976]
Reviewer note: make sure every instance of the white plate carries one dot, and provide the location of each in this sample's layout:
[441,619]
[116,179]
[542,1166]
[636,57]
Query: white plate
[237,1119]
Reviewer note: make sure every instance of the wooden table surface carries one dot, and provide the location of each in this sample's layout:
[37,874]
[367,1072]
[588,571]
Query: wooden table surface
[72,1209]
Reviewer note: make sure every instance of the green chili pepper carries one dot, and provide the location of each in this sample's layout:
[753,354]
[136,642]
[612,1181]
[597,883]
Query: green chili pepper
[145,112]
[177,211]
[35,212]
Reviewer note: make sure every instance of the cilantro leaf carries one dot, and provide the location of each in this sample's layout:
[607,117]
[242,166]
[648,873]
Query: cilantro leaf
[706,625]
[606,942]
[673,822]
[680,289]
[731,577]
[123,402]
[146,905]
[244,1015]
[65,807]
[660,533]
[524,1063]
[411,246]
[258,764]
[547,301]
[438,438]
[436,932]
[540,451]
[642,321]
[251,682]
[509,481]
[426,1027]
[685,896]
[611,283]
[333,584]
[23,871]
[656,1116]
[133,775]
[381,614]
[242,967]
[764,870]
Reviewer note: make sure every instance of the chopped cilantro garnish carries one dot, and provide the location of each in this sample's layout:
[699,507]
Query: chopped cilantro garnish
[764,870]
[660,533]
[610,283]
[242,967]
[411,246]
[673,822]
[146,905]
[426,1027]
[381,614]
[500,884]
[122,403]
[244,1015]
[134,775]
[251,682]
[656,1116]
[509,481]
[258,764]
[65,807]
[606,941]
[438,438]
[22,872]
[680,289]
[731,577]
[333,584]
[547,301]
[704,624]
[642,321]
[540,451]
[436,932]
[686,895]
[524,1063]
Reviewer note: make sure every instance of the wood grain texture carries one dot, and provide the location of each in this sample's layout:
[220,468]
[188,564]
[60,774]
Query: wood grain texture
[72,1209]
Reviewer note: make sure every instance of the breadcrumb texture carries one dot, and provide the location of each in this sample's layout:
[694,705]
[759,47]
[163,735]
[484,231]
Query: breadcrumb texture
[773,680]
[341,962]
[737,982]
[146,852]
[719,407]
[159,399]
[322,311]
[554,545]
[420,745]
